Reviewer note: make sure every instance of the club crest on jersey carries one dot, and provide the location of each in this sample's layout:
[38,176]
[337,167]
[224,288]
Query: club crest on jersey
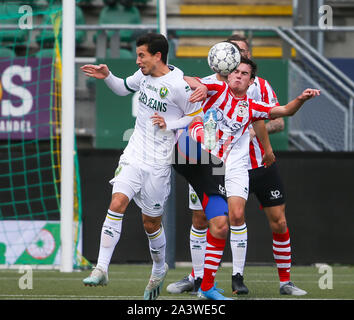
[163,92]
[242,108]
[194,198]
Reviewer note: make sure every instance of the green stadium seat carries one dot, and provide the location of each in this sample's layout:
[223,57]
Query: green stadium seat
[45,53]
[262,34]
[47,36]
[119,14]
[7,53]
[9,15]
[123,54]
[141,2]
[203,33]
[84,1]
[35,4]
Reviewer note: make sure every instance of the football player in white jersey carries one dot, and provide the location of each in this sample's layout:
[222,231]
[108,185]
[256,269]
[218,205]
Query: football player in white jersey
[143,171]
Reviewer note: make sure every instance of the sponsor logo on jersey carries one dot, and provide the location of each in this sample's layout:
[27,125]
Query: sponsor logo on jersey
[152,103]
[151,87]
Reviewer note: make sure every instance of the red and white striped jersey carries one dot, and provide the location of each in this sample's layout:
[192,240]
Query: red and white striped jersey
[260,90]
[234,115]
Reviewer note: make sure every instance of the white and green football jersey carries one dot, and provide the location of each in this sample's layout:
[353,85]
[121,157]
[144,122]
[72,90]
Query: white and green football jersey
[168,96]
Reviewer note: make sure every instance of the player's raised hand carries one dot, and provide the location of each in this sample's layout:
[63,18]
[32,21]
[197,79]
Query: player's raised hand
[199,94]
[96,71]
[308,94]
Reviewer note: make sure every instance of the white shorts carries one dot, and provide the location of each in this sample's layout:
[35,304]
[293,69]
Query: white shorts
[236,176]
[194,202]
[148,186]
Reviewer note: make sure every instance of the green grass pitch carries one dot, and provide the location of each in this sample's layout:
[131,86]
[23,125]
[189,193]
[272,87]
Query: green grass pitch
[127,282]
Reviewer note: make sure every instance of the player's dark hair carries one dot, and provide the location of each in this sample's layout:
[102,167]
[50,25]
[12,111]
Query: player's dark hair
[234,44]
[252,64]
[238,37]
[155,43]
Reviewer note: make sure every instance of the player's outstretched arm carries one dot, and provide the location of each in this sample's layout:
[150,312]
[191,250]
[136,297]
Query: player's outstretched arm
[293,106]
[100,71]
[200,91]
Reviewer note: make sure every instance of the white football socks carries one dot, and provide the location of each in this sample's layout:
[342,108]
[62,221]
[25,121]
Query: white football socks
[157,243]
[198,243]
[238,242]
[110,235]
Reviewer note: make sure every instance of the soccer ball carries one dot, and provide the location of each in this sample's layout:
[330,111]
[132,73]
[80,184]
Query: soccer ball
[224,58]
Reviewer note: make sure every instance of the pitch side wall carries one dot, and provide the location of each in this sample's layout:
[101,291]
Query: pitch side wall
[320,209]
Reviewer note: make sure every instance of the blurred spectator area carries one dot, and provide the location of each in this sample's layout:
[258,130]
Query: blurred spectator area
[92,45]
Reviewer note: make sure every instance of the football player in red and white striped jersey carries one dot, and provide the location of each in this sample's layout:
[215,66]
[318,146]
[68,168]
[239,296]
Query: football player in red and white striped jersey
[243,113]
[243,118]
[260,90]
[267,185]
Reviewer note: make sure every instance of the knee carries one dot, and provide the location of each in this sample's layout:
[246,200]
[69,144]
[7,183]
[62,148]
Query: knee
[220,228]
[115,206]
[277,219]
[236,210]
[150,227]
[237,216]
[151,224]
[119,203]
[279,225]
[199,220]
[223,231]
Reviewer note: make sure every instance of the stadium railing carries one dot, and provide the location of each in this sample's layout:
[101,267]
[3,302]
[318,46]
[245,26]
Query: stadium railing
[314,61]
